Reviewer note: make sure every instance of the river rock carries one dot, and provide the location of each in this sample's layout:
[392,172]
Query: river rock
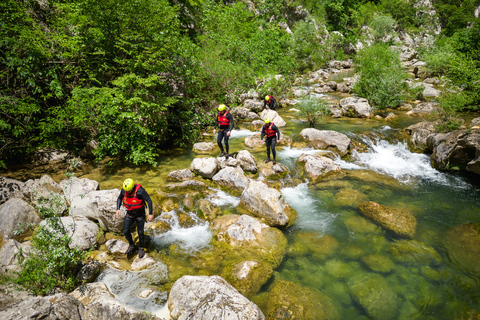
[205,167]
[430,91]
[320,246]
[82,231]
[423,108]
[231,177]
[73,187]
[267,204]
[180,175]
[374,295]
[290,300]
[248,276]
[356,107]
[57,307]
[116,246]
[349,197]
[203,297]
[10,188]
[415,252]
[243,113]
[254,141]
[204,147]
[100,304]
[253,105]
[89,272]
[398,221]
[327,139]
[474,124]
[274,117]
[9,260]
[378,263]
[46,194]
[223,162]
[256,125]
[273,171]
[246,161]
[207,209]
[344,88]
[318,167]
[14,213]
[99,206]
[189,184]
[419,133]
[463,246]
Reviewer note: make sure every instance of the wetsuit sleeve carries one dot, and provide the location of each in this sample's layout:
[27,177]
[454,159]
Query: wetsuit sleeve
[141,193]
[264,104]
[274,127]
[231,124]
[120,198]
[262,132]
[216,122]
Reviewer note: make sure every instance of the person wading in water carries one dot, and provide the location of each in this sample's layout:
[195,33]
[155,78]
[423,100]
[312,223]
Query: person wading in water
[225,123]
[134,197]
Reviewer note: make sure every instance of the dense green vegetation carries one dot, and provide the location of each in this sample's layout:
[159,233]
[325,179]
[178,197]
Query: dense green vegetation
[141,76]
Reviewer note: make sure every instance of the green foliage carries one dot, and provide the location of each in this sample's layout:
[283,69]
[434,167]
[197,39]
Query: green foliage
[50,263]
[277,87]
[454,15]
[382,79]
[382,25]
[313,109]
[306,41]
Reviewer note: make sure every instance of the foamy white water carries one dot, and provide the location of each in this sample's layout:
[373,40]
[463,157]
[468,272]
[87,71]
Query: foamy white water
[310,214]
[241,133]
[190,240]
[223,199]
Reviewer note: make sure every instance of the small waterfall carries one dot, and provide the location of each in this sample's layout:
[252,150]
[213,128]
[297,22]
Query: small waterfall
[222,199]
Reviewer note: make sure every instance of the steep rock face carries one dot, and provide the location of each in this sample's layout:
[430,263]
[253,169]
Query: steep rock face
[400,222]
[202,297]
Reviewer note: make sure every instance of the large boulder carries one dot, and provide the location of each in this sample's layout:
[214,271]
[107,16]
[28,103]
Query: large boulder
[205,167]
[203,297]
[14,213]
[99,206]
[423,108]
[82,231]
[415,252]
[253,105]
[273,171]
[180,175]
[274,117]
[463,246]
[419,133]
[9,257]
[317,167]
[248,276]
[57,307]
[267,204]
[10,188]
[246,161]
[243,113]
[45,194]
[232,178]
[327,139]
[398,221]
[73,187]
[356,107]
[204,147]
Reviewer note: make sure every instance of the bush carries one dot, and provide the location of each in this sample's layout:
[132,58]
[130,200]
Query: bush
[382,79]
[306,47]
[382,25]
[314,109]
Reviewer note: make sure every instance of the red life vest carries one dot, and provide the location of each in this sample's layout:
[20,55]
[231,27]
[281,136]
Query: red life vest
[269,132]
[271,99]
[130,200]
[222,120]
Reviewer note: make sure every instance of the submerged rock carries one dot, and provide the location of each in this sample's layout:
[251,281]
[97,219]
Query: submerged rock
[378,263]
[320,246]
[248,276]
[414,252]
[463,245]
[400,222]
[202,297]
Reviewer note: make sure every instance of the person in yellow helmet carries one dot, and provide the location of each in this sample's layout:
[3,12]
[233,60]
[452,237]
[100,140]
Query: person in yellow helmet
[133,197]
[272,134]
[270,102]
[225,123]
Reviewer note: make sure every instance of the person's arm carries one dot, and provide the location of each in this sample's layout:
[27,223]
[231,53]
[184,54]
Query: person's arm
[141,193]
[264,104]
[119,202]
[262,133]
[277,132]
[216,123]
[231,123]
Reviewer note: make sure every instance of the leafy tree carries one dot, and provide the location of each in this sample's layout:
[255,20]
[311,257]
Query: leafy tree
[382,25]
[305,47]
[313,109]
[382,78]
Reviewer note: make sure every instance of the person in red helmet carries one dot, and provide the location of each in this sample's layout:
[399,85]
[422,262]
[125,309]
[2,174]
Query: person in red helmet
[133,197]
[270,103]
[272,134]
[225,123]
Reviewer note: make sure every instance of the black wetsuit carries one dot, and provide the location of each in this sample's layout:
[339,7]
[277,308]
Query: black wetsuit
[137,215]
[271,105]
[270,141]
[222,132]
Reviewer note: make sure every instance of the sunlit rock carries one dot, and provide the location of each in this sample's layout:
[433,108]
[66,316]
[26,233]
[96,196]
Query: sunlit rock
[463,245]
[256,125]
[254,141]
[378,263]
[207,210]
[10,258]
[327,139]
[223,162]
[148,262]
[13,214]
[180,175]
[243,113]
[99,206]
[202,297]
[273,171]
[246,161]
[320,246]
[205,167]
[158,226]
[249,239]
[267,204]
[290,300]
[396,220]
[89,271]
[232,178]
[83,231]
[318,167]
[10,188]
[423,108]
[419,133]
[46,194]
[253,105]
[204,147]
[248,276]
[117,246]
[184,185]
[356,107]
[349,197]
[73,187]
[415,252]
[274,117]
[374,295]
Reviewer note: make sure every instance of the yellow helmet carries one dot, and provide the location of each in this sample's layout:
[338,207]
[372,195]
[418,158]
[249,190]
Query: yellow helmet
[222,107]
[267,120]
[128,185]
[267,98]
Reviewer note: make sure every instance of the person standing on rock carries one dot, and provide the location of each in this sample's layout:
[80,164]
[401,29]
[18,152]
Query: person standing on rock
[270,103]
[134,197]
[225,123]
[272,134]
